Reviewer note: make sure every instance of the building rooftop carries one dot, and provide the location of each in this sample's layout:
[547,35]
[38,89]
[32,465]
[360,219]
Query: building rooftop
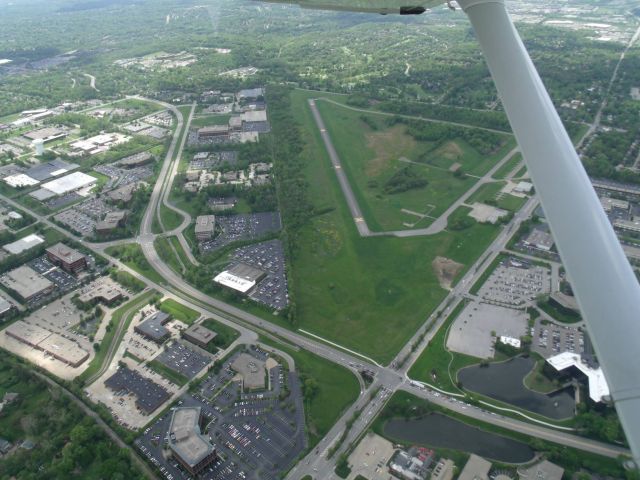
[153,327]
[205,224]
[47,170]
[598,387]
[25,281]
[477,468]
[185,438]
[540,239]
[544,470]
[251,369]
[213,129]
[111,220]
[65,253]
[241,277]
[200,333]
[103,288]
[69,183]
[23,244]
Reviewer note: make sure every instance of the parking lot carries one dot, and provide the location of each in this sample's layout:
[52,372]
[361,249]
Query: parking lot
[213,160]
[183,359]
[256,435]
[550,339]
[471,332]
[63,200]
[119,177]
[516,285]
[62,279]
[248,226]
[269,257]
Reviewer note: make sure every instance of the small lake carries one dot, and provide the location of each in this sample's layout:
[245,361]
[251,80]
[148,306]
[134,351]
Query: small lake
[439,431]
[505,382]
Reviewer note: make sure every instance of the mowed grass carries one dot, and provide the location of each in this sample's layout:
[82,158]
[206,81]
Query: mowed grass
[132,256]
[168,373]
[490,192]
[372,152]
[179,311]
[436,359]
[367,294]
[338,388]
[508,167]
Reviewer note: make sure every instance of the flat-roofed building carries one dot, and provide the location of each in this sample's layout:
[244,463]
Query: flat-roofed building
[103,290]
[46,134]
[539,239]
[28,334]
[110,222]
[544,470]
[122,194]
[153,327]
[628,225]
[187,443]
[443,470]
[26,283]
[251,370]
[23,244]
[240,277]
[137,160]
[56,345]
[199,335]
[609,204]
[477,468]
[67,258]
[69,183]
[213,131]
[5,306]
[250,94]
[205,226]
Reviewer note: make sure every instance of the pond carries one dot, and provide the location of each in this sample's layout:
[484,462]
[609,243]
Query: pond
[439,431]
[505,382]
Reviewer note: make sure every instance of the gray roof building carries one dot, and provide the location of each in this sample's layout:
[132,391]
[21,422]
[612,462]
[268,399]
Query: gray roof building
[190,447]
[153,327]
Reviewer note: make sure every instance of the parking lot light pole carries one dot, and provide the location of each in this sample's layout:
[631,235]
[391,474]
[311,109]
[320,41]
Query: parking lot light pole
[604,283]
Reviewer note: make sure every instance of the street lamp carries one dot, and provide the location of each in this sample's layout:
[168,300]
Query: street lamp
[604,284]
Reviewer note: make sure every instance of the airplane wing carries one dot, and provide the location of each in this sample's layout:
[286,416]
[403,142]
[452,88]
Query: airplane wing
[403,7]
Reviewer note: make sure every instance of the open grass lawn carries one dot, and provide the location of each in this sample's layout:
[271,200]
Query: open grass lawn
[508,167]
[170,218]
[204,121]
[436,359]
[179,311]
[166,372]
[131,255]
[180,251]
[367,294]
[372,152]
[163,247]
[225,335]
[537,381]
[490,192]
[338,388]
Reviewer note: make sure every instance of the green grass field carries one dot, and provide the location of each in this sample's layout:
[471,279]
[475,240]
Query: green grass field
[490,192]
[181,253]
[368,294]
[437,359]
[206,120]
[131,255]
[508,167]
[179,311]
[166,253]
[168,373]
[338,389]
[372,152]
[226,335]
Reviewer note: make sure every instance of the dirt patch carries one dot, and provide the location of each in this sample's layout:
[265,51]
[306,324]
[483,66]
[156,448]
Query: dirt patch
[450,151]
[388,146]
[446,270]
